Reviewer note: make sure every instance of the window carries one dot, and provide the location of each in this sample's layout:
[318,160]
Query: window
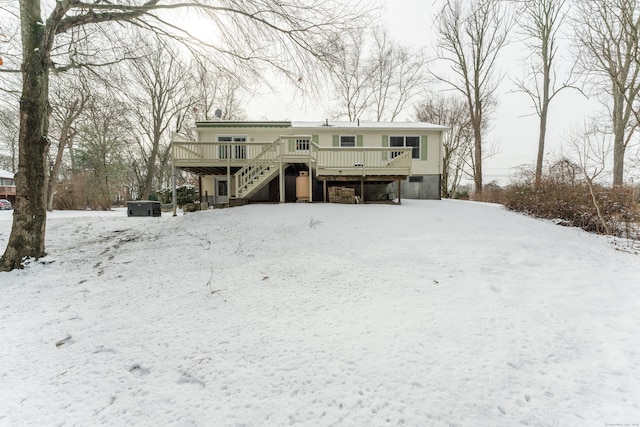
[347,141]
[302,144]
[406,141]
[222,188]
[238,151]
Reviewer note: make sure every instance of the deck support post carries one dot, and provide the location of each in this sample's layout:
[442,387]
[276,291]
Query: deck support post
[324,191]
[310,183]
[229,175]
[174,193]
[399,192]
[362,189]
[281,182]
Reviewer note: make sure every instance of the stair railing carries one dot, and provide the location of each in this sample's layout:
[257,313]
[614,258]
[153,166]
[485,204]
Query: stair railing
[256,167]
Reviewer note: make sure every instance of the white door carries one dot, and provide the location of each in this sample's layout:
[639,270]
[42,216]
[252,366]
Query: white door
[222,191]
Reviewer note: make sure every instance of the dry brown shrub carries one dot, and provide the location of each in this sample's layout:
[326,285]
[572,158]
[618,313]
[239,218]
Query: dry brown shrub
[493,193]
[71,194]
[79,193]
[564,198]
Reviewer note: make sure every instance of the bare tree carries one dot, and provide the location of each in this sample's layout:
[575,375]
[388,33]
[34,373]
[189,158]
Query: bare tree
[470,38]
[9,138]
[9,50]
[635,164]
[591,147]
[375,77]
[9,84]
[609,34]
[103,132]
[352,76]
[169,94]
[215,89]
[159,98]
[254,33]
[398,75]
[69,95]
[540,21]
[457,143]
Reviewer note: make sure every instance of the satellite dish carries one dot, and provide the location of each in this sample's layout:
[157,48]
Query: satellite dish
[218,113]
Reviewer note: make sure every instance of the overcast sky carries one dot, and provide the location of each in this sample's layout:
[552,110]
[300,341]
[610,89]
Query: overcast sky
[514,129]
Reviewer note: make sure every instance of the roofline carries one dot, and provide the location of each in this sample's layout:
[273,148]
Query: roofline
[373,126]
[242,124]
[7,174]
[413,126]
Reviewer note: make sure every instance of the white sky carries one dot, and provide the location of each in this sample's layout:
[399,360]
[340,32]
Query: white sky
[514,129]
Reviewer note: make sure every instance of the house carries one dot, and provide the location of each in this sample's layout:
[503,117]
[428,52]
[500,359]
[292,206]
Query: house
[241,161]
[7,186]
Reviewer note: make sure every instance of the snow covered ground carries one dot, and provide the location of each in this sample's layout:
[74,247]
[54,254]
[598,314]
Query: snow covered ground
[433,313]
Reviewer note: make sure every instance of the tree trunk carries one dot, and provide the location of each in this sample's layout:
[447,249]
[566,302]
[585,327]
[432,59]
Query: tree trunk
[444,181]
[541,140]
[597,206]
[29,218]
[618,137]
[544,111]
[151,169]
[477,159]
[67,133]
[55,170]
[618,160]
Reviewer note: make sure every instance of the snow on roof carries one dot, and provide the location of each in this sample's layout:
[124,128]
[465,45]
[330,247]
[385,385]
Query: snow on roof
[5,174]
[370,125]
[325,124]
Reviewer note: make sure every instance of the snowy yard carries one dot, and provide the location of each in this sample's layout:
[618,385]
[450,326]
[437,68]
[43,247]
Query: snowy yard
[433,313]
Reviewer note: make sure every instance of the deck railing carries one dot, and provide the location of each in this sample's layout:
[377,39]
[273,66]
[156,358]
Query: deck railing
[7,190]
[197,152]
[364,160]
[256,157]
[294,146]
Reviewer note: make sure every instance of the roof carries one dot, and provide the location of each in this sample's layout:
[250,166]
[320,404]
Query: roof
[242,124]
[324,124]
[5,174]
[370,125]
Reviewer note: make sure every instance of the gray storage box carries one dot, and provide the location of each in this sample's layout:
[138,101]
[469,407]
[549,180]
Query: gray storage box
[144,208]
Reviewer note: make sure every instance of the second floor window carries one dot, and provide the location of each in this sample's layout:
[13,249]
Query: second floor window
[302,144]
[238,150]
[406,141]
[347,141]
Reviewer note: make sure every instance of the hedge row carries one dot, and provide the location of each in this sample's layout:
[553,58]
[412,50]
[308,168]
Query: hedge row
[566,199]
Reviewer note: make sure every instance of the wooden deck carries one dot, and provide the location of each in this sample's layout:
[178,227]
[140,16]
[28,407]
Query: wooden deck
[253,164]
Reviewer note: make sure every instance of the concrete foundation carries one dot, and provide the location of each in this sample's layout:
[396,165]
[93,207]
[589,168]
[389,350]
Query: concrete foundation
[424,187]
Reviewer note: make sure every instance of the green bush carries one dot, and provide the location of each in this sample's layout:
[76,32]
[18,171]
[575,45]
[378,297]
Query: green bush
[185,194]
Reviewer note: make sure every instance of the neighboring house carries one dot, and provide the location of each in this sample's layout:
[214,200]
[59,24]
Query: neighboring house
[7,186]
[237,162]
